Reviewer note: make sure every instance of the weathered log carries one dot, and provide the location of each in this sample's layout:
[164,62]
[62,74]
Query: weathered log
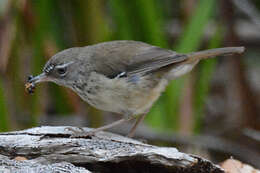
[51,149]
[8,165]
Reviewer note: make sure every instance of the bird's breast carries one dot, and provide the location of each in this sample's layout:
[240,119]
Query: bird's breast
[121,95]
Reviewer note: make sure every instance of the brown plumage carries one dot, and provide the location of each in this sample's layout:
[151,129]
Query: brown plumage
[126,77]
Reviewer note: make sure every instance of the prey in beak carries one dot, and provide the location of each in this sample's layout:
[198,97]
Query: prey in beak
[31,81]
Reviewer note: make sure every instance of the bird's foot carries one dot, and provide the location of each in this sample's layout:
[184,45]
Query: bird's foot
[80,132]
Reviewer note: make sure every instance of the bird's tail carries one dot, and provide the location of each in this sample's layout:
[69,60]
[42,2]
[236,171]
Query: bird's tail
[214,52]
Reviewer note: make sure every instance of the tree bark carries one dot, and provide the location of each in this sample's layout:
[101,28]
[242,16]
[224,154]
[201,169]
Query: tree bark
[50,149]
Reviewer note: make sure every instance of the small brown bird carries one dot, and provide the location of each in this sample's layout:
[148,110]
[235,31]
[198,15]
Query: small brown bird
[125,77]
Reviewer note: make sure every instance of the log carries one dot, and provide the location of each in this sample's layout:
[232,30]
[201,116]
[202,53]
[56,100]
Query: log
[50,149]
[8,165]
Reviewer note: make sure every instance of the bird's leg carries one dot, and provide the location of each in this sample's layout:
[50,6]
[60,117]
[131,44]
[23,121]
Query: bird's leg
[82,133]
[138,121]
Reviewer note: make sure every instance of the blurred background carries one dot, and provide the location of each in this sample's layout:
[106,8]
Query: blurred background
[213,111]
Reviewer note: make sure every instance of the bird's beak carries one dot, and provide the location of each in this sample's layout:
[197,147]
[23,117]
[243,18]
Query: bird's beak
[30,85]
[37,79]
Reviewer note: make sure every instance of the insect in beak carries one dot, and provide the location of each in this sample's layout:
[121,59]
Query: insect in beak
[31,81]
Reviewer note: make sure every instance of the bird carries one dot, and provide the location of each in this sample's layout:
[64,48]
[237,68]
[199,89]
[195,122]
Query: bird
[121,76]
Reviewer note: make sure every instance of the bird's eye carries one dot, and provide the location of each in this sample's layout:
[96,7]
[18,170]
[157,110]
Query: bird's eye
[62,71]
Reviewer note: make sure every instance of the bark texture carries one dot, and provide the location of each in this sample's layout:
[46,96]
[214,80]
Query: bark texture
[50,149]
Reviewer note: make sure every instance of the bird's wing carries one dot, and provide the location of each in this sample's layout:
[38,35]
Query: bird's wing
[126,58]
[158,58]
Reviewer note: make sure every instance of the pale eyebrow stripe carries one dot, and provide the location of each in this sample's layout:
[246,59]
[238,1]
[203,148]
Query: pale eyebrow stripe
[64,65]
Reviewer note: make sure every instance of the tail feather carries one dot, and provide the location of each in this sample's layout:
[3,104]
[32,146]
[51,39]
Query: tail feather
[215,52]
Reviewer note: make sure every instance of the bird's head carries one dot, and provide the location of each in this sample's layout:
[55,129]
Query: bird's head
[62,69]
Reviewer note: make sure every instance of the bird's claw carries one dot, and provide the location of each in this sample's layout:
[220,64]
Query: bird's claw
[80,133]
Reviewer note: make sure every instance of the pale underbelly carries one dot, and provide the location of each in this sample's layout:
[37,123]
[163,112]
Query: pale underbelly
[124,99]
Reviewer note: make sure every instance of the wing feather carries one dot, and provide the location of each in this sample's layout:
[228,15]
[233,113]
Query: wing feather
[131,57]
